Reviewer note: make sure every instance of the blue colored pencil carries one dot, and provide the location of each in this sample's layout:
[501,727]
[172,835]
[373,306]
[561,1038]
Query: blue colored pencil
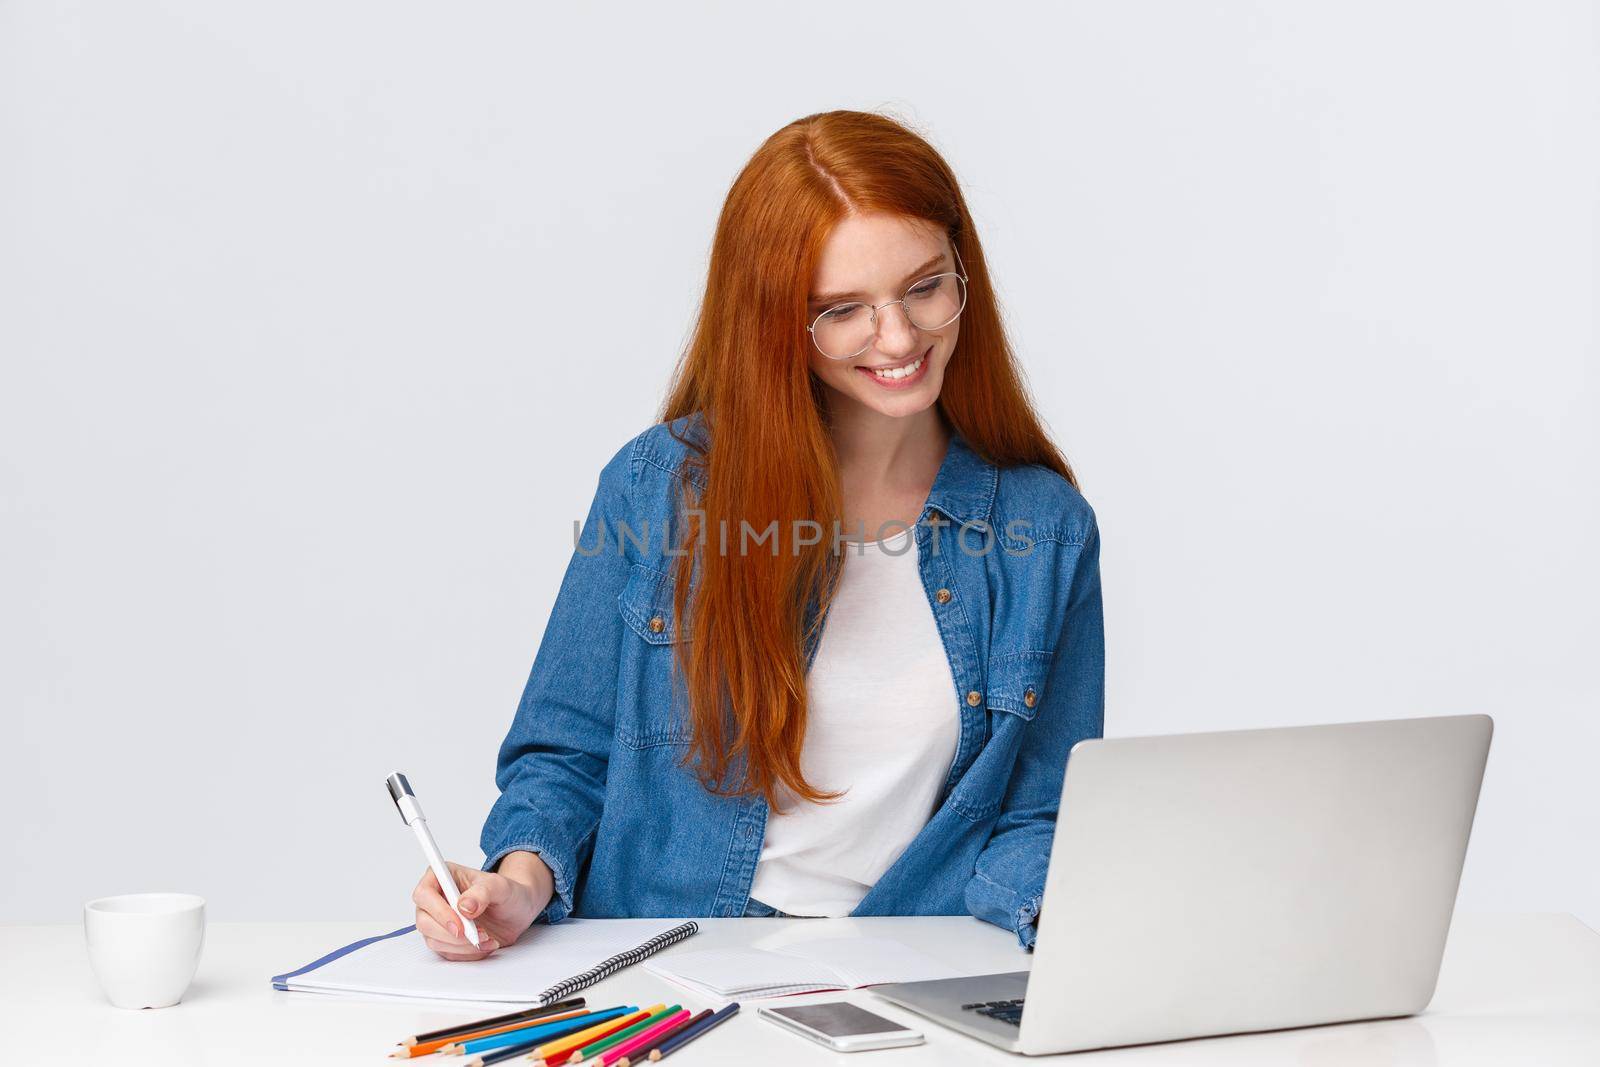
[689,1033]
[499,1055]
[541,1033]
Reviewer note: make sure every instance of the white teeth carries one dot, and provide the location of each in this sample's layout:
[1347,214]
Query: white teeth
[901,372]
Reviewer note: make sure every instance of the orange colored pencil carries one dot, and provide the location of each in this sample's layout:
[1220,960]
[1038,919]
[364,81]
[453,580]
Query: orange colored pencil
[426,1048]
[557,1050]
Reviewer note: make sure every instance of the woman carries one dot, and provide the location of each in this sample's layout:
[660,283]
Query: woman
[833,624]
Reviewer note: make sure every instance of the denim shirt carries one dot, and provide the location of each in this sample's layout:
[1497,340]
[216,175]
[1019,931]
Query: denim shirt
[590,774]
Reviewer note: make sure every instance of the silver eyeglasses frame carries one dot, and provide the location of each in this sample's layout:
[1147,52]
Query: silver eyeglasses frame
[872,312]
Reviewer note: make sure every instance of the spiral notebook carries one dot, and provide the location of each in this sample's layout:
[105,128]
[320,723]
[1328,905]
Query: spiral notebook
[548,963]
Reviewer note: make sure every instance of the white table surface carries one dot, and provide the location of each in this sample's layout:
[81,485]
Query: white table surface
[1515,989]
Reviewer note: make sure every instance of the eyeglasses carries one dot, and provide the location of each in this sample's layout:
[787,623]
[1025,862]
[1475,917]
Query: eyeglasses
[844,331]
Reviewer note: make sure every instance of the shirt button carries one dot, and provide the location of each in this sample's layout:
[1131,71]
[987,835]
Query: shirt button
[974,698]
[657,624]
[1028,698]
[942,596]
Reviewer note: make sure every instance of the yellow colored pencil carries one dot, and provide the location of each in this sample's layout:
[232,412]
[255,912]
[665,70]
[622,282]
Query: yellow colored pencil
[554,1052]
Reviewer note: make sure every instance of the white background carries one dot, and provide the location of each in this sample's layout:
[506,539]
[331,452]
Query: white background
[319,320]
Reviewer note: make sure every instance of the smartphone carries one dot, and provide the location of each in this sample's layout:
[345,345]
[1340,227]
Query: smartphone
[842,1026]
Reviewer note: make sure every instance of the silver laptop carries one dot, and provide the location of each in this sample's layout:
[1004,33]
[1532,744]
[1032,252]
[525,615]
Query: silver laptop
[1229,882]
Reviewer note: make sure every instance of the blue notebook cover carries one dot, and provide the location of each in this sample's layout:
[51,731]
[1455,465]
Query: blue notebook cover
[562,989]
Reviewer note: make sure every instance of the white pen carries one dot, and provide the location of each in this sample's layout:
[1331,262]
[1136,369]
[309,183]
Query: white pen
[411,812]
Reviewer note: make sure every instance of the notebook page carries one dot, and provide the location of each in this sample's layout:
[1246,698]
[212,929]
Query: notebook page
[805,966]
[713,994]
[743,971]
[860,961]
[546,955]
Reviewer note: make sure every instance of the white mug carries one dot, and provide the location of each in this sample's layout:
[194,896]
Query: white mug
[144,947]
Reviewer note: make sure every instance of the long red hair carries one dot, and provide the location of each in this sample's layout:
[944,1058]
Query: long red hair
[769,455]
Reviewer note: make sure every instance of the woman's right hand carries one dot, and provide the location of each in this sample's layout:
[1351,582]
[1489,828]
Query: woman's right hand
[502,905]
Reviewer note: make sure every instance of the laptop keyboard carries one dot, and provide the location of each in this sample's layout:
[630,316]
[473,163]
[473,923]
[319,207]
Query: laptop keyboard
[1007,1011]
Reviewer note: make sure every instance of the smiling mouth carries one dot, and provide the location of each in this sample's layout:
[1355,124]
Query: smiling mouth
[898,371]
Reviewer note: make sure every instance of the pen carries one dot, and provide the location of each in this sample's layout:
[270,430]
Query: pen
[411,812]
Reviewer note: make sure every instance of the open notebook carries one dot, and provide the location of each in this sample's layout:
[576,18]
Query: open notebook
[803,967]
[548,963]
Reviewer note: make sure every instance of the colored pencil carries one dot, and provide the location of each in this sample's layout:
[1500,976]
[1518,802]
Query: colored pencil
[683,1025]
[498,1020]
[483,1059]
[649,1039]
[554,1052]
[428,1047]
[579,1055]
[543,1033]
[678,1027]
[689,1033]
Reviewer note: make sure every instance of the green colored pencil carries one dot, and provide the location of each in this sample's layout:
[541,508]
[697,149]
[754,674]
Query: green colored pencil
[579,1055]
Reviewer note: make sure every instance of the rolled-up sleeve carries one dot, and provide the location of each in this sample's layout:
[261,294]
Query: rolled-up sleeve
[551,768]
[1007,884]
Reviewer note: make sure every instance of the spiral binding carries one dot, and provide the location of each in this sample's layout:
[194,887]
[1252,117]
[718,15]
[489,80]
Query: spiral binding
[611,966]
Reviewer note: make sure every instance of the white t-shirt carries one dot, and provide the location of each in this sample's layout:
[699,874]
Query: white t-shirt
[882,724]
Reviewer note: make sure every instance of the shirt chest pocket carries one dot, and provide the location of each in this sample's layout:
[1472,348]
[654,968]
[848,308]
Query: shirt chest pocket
[651,701]
[1016,690]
